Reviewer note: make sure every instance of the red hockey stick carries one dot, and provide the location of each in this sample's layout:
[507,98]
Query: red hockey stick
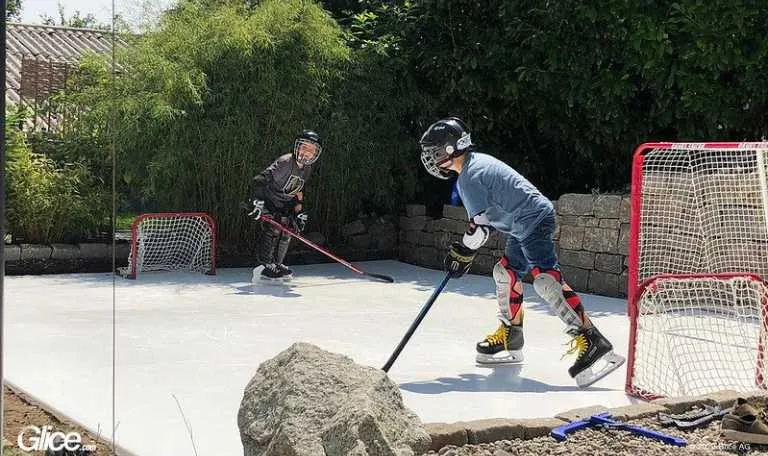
[279,226]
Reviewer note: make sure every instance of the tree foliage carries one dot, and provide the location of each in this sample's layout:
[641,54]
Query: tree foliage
[212,97]
[13,10]
[565,90]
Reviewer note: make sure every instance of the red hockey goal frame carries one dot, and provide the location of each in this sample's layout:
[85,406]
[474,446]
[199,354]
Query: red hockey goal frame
[207,252]
[638,282]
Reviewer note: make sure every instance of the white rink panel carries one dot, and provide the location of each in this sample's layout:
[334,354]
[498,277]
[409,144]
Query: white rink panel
[201,338]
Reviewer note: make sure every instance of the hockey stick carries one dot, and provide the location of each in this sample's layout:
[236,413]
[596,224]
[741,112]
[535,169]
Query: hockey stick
[416,323]
[279,226]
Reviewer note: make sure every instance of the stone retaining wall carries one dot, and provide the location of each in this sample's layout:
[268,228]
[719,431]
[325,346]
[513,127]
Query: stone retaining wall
[63,258]
[369,238]
[592,240]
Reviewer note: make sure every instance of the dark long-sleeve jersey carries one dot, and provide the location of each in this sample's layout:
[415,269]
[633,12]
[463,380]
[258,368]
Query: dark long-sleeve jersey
[279,183]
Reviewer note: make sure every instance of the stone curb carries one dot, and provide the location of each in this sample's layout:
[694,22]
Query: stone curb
[35,252]
[495,429]
[12,252]
[64,252]
[98,251]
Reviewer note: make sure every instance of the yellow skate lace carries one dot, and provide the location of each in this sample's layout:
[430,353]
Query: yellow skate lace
[577,345]
[499,336]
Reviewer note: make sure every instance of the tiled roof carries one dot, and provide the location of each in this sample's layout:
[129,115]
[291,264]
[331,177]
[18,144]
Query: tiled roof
[48,45]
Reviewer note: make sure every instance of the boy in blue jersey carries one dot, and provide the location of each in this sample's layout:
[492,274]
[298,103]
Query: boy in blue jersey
[498,198]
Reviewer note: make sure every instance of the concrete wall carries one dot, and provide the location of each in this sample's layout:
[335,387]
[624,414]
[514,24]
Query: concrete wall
[592,240]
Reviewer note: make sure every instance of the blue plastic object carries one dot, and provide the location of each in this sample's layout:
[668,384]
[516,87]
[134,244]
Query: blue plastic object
[455,198]
[604,419]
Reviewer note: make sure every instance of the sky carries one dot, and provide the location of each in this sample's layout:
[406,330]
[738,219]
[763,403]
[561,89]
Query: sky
[31,10]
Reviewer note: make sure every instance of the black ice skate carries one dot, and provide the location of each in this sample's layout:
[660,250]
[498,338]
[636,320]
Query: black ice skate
[266,273]
[285,271]
[505,346]
[595,358]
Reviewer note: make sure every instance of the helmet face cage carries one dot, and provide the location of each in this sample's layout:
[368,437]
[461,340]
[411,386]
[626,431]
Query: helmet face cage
[432,157]
[303,146]
[442,141]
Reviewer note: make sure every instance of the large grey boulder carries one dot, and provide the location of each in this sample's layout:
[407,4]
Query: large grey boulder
[310,402]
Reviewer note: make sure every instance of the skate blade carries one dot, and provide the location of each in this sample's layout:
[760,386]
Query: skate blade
[599,369]
[508,357]
[270,281]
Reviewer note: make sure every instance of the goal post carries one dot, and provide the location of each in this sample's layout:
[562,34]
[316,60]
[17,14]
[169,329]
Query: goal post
[698,211]
[172,241]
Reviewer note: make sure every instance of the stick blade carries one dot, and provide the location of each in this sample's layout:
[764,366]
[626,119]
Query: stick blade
[382,277]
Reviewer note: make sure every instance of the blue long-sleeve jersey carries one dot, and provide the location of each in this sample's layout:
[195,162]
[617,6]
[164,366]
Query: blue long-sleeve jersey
[509,201]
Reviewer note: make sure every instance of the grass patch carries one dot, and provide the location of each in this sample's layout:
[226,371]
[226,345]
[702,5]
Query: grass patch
[124,221]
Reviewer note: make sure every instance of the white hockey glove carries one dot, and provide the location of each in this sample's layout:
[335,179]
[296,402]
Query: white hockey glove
[258,209]
[300,220]
[478,232]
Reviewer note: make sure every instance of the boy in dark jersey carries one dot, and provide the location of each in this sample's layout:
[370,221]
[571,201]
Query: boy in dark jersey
[499,198]
[279,194]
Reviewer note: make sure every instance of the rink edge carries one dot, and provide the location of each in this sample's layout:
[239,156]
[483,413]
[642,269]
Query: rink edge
[63,418]
[496,429]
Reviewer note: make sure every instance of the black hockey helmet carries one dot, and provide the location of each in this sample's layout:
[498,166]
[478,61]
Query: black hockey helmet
[307,143]
[445,139]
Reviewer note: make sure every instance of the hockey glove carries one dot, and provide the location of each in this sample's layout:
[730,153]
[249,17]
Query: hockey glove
[258,209]
[300,221]
[459,259]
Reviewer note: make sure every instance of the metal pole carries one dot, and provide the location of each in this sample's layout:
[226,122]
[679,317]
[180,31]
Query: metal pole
[3,230]
[111,129]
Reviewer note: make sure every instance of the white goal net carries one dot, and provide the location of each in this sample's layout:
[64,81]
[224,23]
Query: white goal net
[699,334]
[697,209]
[175,241]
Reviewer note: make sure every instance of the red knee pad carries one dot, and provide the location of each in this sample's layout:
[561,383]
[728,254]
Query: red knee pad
[553,272]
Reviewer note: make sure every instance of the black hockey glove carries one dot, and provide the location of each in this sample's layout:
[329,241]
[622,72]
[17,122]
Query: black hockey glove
[459,259]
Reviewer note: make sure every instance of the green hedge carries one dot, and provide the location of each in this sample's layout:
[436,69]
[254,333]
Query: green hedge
[565,90]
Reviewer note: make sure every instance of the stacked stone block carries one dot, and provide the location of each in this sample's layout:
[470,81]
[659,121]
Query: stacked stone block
[591,239]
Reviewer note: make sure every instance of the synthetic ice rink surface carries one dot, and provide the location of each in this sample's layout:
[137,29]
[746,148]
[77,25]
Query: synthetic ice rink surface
[199,339]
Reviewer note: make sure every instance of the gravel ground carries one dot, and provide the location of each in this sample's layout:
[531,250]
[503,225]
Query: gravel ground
[704,441]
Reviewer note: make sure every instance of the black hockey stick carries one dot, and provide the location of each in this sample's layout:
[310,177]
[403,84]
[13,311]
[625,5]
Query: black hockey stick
[279,226]
[416,323]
